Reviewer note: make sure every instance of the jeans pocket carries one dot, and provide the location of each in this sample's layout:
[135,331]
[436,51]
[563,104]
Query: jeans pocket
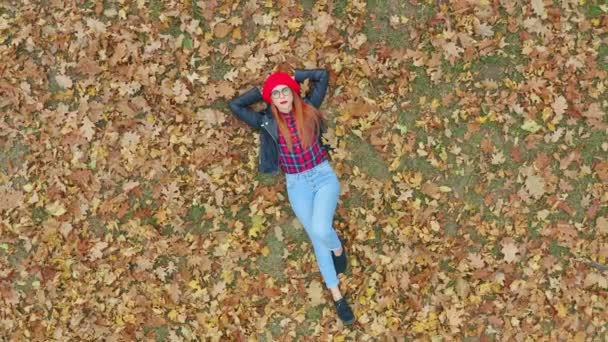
[324,167]
[290,182]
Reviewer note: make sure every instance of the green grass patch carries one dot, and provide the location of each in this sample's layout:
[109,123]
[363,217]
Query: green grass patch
[294,232]
[273,264]
[15,155]
[378,28]
[155,7]
[161,332]
[558,250]
[174,27]
[54,87]
[492,67]
[218,69]
[26,285]
[314,313]
[340,7]
[514,45]
[366,158]
[267,179]
[421,84]
[307,5]
[451,226]
[355,199]
[87,4]
[18,253]
[39,215]
[477,237]
[591,146]
[196,224]
[593,10]
[274,327]
[97,227]
[602,56]
[197,12]
[306,328]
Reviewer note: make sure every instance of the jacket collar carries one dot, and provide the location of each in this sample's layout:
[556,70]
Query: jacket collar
[270,124]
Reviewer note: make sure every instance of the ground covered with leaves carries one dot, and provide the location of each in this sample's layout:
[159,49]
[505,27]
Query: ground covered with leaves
[471,147]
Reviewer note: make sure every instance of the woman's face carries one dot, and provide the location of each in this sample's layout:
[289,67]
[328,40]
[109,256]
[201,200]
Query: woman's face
[282,97]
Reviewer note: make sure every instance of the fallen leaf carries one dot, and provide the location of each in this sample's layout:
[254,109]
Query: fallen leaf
[530,126]
[594,111]
[315,293]
[539,8]
[535,186]
[510,252]
[55,208]
[221,30]
[87,129]
[63,81]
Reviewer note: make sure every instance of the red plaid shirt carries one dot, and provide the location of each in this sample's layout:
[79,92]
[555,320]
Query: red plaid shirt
[299,160]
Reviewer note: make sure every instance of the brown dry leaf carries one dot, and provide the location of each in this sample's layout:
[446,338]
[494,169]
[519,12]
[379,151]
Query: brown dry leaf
[455,316]
[594,111]
[476,261]
[87,129]
[226,89]
[463,288]
[221,30]
[452,51]
[357,108]
[601,225]
[430,189]
[559,106]
[601,168]
[96,252]
[241,51]
[211,116]
[594,278]
[10,199]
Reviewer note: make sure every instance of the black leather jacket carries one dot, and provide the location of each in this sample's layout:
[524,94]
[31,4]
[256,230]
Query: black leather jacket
[264,120]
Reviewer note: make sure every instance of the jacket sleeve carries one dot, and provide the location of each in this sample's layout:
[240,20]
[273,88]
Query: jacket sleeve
[240,107]
[320,79]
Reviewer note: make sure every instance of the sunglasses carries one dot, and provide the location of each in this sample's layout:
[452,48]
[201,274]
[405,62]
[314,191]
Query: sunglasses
[285,91]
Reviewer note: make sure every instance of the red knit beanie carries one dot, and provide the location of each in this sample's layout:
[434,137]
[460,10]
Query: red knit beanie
[276,79]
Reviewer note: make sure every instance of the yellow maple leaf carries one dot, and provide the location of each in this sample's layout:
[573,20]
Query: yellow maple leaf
[257,222]
[428,324]
[294,24]
[236,33]
[173,315]
[562,311]
[193,284]
[161,216]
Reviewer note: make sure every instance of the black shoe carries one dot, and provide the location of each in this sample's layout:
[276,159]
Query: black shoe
[344,311]
[340,262]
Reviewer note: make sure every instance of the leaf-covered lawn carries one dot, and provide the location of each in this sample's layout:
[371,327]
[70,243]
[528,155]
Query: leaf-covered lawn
[471,147]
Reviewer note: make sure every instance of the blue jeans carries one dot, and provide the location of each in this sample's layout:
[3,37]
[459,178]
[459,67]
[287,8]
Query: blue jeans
[313,195]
